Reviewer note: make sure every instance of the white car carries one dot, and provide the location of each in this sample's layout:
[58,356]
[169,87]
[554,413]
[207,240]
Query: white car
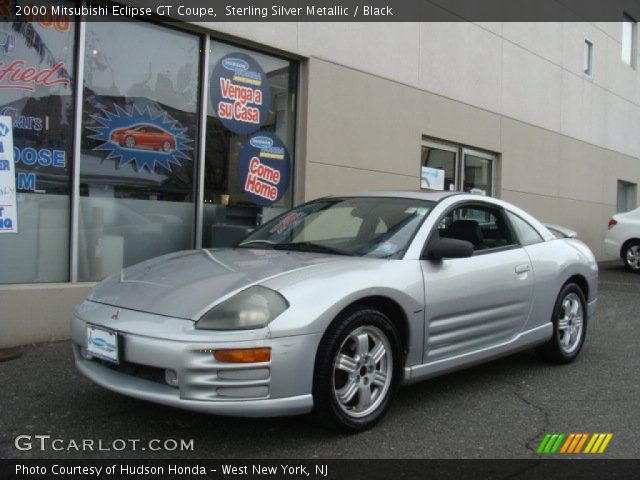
[623,238]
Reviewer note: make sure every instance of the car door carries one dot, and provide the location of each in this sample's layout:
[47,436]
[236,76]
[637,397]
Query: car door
[144,137]
[481,301]
[155,137]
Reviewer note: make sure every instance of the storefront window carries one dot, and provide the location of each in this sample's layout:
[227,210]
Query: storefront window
[249,141]
[36,92]
[438,161]
[139,131]
[439,168]
[478,173]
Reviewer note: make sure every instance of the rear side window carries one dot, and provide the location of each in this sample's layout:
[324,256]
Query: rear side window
[483,226]
[526,233]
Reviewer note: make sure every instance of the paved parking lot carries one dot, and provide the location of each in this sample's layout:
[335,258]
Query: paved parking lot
[501,409]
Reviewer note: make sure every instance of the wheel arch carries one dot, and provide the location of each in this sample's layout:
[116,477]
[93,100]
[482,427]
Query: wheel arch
[582,282]
[391,309]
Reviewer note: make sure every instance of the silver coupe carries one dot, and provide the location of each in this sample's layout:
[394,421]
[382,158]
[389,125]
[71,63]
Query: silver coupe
[332,305]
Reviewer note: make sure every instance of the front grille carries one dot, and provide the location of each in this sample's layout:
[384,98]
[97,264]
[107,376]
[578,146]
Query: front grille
[152,374]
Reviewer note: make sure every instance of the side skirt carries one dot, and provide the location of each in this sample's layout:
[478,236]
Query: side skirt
[522,341]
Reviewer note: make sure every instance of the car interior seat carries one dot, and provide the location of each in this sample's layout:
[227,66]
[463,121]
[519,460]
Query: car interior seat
[468,230]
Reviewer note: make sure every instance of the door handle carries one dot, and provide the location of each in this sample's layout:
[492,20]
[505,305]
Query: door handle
[522,268]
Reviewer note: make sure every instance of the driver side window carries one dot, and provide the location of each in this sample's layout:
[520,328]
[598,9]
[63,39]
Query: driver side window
[483,226]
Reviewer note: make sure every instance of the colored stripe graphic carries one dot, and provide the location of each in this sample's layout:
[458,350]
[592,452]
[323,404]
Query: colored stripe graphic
[572,443]
[598,443]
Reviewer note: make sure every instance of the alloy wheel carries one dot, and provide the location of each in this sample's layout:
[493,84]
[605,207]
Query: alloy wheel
[570,323]
[362,372]
[633,257]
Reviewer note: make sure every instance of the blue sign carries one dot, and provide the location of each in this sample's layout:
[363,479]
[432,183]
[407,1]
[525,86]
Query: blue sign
[240,93]
[141,138]
[264,168]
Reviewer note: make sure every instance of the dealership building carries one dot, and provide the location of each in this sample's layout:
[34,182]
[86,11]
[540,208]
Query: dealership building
[136,139]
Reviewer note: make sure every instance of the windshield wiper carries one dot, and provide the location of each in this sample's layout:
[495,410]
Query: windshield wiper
[310,247]
[256,244]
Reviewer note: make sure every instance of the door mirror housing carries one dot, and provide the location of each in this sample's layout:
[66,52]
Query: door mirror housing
[448,248]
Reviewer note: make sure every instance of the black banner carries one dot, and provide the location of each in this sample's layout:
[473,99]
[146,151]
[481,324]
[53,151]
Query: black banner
[320,469]
[328,10]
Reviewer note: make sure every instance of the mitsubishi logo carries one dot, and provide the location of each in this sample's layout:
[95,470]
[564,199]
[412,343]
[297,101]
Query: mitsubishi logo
[116,315]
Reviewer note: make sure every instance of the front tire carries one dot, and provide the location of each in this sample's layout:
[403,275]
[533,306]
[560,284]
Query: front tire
[358,367]
[569,326]
[130,142]
[631,256]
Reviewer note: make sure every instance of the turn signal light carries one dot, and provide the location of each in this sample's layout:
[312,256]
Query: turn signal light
[612,223]
[243,355]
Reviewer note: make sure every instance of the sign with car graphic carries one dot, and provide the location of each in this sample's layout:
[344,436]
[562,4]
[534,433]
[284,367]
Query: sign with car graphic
[141,137]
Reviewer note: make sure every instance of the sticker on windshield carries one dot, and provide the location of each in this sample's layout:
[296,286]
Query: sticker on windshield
[286,221]
[387,248]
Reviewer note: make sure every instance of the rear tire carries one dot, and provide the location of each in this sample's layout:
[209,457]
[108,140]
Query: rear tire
[569,326]
[357,372]
[631,256]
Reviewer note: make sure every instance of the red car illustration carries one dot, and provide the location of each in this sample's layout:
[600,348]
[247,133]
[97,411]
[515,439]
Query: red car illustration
[144,136]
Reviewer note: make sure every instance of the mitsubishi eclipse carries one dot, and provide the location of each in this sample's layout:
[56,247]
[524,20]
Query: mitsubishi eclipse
[331,306]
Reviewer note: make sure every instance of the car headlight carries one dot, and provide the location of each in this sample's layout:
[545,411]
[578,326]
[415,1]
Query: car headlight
[252,308]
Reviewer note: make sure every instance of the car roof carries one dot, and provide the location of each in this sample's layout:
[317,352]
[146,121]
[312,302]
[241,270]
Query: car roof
[432,195]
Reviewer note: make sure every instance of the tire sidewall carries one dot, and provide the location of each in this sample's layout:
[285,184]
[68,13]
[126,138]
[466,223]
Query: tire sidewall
[566,290]
[323,389]
[624,256]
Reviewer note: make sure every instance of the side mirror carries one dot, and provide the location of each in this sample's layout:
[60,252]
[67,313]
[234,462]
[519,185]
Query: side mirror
[448,248]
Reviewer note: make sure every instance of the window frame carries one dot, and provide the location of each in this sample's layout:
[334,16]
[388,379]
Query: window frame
[460,151]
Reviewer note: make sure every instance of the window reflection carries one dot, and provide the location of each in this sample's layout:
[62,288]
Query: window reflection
[140,127]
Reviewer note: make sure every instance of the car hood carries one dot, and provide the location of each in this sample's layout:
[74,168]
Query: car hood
[183,284]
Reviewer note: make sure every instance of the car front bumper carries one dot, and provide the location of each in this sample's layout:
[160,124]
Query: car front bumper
[279,387]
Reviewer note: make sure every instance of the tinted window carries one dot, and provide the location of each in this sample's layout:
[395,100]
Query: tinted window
[484,227]
[526,233]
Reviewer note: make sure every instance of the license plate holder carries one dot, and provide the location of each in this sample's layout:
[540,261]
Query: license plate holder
[103,343]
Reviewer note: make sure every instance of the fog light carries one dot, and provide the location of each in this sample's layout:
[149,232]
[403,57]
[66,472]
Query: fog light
[243,355]
[171,377]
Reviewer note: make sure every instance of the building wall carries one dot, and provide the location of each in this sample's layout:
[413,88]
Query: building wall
[517,89]
[557,178]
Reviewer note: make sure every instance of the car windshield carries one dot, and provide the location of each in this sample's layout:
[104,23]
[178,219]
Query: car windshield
[379,227]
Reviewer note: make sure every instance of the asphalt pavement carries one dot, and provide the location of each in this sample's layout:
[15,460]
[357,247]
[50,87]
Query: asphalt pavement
[497,410]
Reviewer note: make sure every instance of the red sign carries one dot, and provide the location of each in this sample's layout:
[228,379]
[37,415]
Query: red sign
[18,76]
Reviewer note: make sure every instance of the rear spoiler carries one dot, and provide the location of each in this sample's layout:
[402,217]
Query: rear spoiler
[561,232]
